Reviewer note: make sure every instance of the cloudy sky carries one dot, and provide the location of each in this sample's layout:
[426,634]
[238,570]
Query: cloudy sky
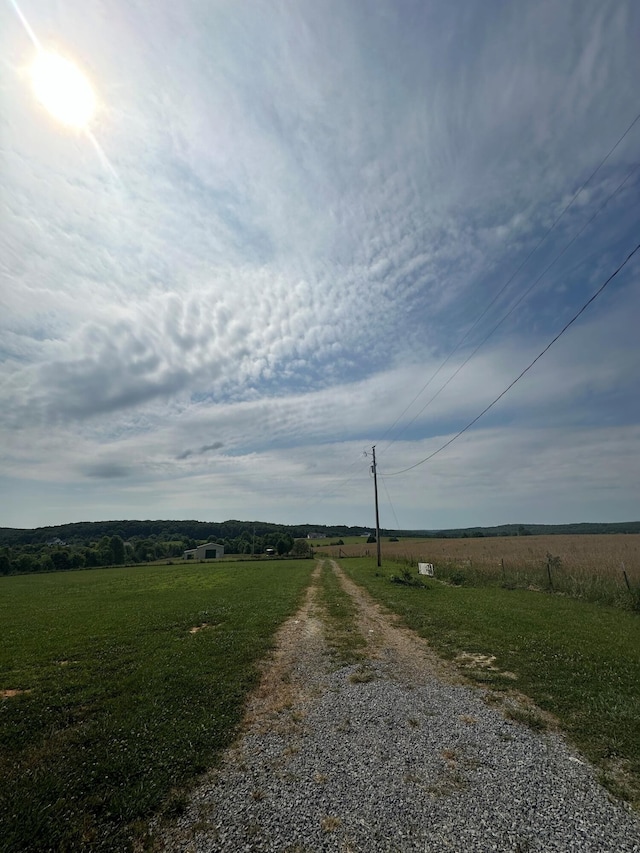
[284,218]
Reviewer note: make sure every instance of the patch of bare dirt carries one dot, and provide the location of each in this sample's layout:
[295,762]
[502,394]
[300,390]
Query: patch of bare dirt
[409,656]
[293,673]
[197,628]
[9,694]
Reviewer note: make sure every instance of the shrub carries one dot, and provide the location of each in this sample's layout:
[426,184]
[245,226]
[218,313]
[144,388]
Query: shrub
[407,579]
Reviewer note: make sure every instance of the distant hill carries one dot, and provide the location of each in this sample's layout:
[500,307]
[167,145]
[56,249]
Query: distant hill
[528,530]
[92,531]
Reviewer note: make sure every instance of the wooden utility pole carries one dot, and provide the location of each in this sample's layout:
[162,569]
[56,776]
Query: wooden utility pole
[375,488]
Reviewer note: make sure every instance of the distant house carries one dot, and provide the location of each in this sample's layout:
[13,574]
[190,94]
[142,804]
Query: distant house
[204,552]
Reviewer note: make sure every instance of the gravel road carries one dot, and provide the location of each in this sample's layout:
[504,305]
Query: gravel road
[395,755]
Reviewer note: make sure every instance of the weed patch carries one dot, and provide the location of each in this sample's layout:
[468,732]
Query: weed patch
[406,578]
[528,717]
[362,675]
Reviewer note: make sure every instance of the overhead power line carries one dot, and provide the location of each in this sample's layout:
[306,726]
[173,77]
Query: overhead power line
[523,296]
[526,370]
[333,490]
[390,503]
[506,285]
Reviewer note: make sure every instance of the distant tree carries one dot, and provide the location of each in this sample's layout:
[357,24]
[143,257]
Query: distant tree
[143,550]
[5,563]
[117,550]
[371,539]
[301,548]
[91,558]
[47,564]
[282,547]
[60,560]
[76,560]
[104,551]
[25,563]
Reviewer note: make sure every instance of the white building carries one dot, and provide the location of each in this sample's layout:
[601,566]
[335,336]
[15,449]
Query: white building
[204,552]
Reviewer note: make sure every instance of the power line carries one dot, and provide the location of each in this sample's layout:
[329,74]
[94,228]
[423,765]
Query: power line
[527,368]
[333,490]
[507,283]
[510,311]
[390,504]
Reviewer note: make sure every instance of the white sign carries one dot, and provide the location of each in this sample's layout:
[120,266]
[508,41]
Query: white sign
[425,569]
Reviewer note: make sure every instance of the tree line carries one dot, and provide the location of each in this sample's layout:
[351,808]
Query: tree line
[56,555]
[108,543]
[81,531]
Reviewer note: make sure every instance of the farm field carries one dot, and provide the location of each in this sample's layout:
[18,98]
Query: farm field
[118,686]
[576,660]
[348,540]
[588,566]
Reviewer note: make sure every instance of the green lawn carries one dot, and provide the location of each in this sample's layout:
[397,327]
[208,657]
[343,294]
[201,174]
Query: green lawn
[578,660]
[121,703]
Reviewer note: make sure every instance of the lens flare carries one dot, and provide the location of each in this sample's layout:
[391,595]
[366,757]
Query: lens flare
[63,90]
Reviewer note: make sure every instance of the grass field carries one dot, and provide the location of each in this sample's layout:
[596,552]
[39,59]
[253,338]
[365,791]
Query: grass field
[577,660]
[118,686]
[583,566]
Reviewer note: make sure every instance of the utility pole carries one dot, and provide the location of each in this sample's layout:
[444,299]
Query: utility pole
[375,488]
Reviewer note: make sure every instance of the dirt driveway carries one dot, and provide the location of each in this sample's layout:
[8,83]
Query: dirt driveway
[409,758]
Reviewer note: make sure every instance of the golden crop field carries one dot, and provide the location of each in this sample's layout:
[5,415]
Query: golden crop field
[601,555]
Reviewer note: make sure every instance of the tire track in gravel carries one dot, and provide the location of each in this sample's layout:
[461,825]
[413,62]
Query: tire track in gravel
[407,761]
[404,654]
[408,657]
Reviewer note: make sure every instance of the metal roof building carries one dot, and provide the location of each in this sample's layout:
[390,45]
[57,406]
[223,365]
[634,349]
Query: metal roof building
[204,552]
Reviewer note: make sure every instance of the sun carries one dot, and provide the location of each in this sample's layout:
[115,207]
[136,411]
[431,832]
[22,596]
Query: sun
[63,90]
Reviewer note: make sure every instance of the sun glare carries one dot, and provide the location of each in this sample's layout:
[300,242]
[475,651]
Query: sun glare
[63,89]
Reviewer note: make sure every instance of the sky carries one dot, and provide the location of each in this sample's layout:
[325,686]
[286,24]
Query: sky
[286,227]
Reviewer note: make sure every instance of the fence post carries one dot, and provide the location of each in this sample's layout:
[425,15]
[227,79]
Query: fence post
[549,570]
[626,579]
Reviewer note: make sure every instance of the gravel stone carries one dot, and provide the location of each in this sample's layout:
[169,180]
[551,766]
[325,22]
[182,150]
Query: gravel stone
[409,761]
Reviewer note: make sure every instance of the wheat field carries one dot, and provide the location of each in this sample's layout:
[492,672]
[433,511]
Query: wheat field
[580,556]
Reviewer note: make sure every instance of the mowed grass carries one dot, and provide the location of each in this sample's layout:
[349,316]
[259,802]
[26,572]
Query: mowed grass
[111,701]
[345,640]
[578,660]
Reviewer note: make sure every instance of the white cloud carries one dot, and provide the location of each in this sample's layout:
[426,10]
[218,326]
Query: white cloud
[313,205]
